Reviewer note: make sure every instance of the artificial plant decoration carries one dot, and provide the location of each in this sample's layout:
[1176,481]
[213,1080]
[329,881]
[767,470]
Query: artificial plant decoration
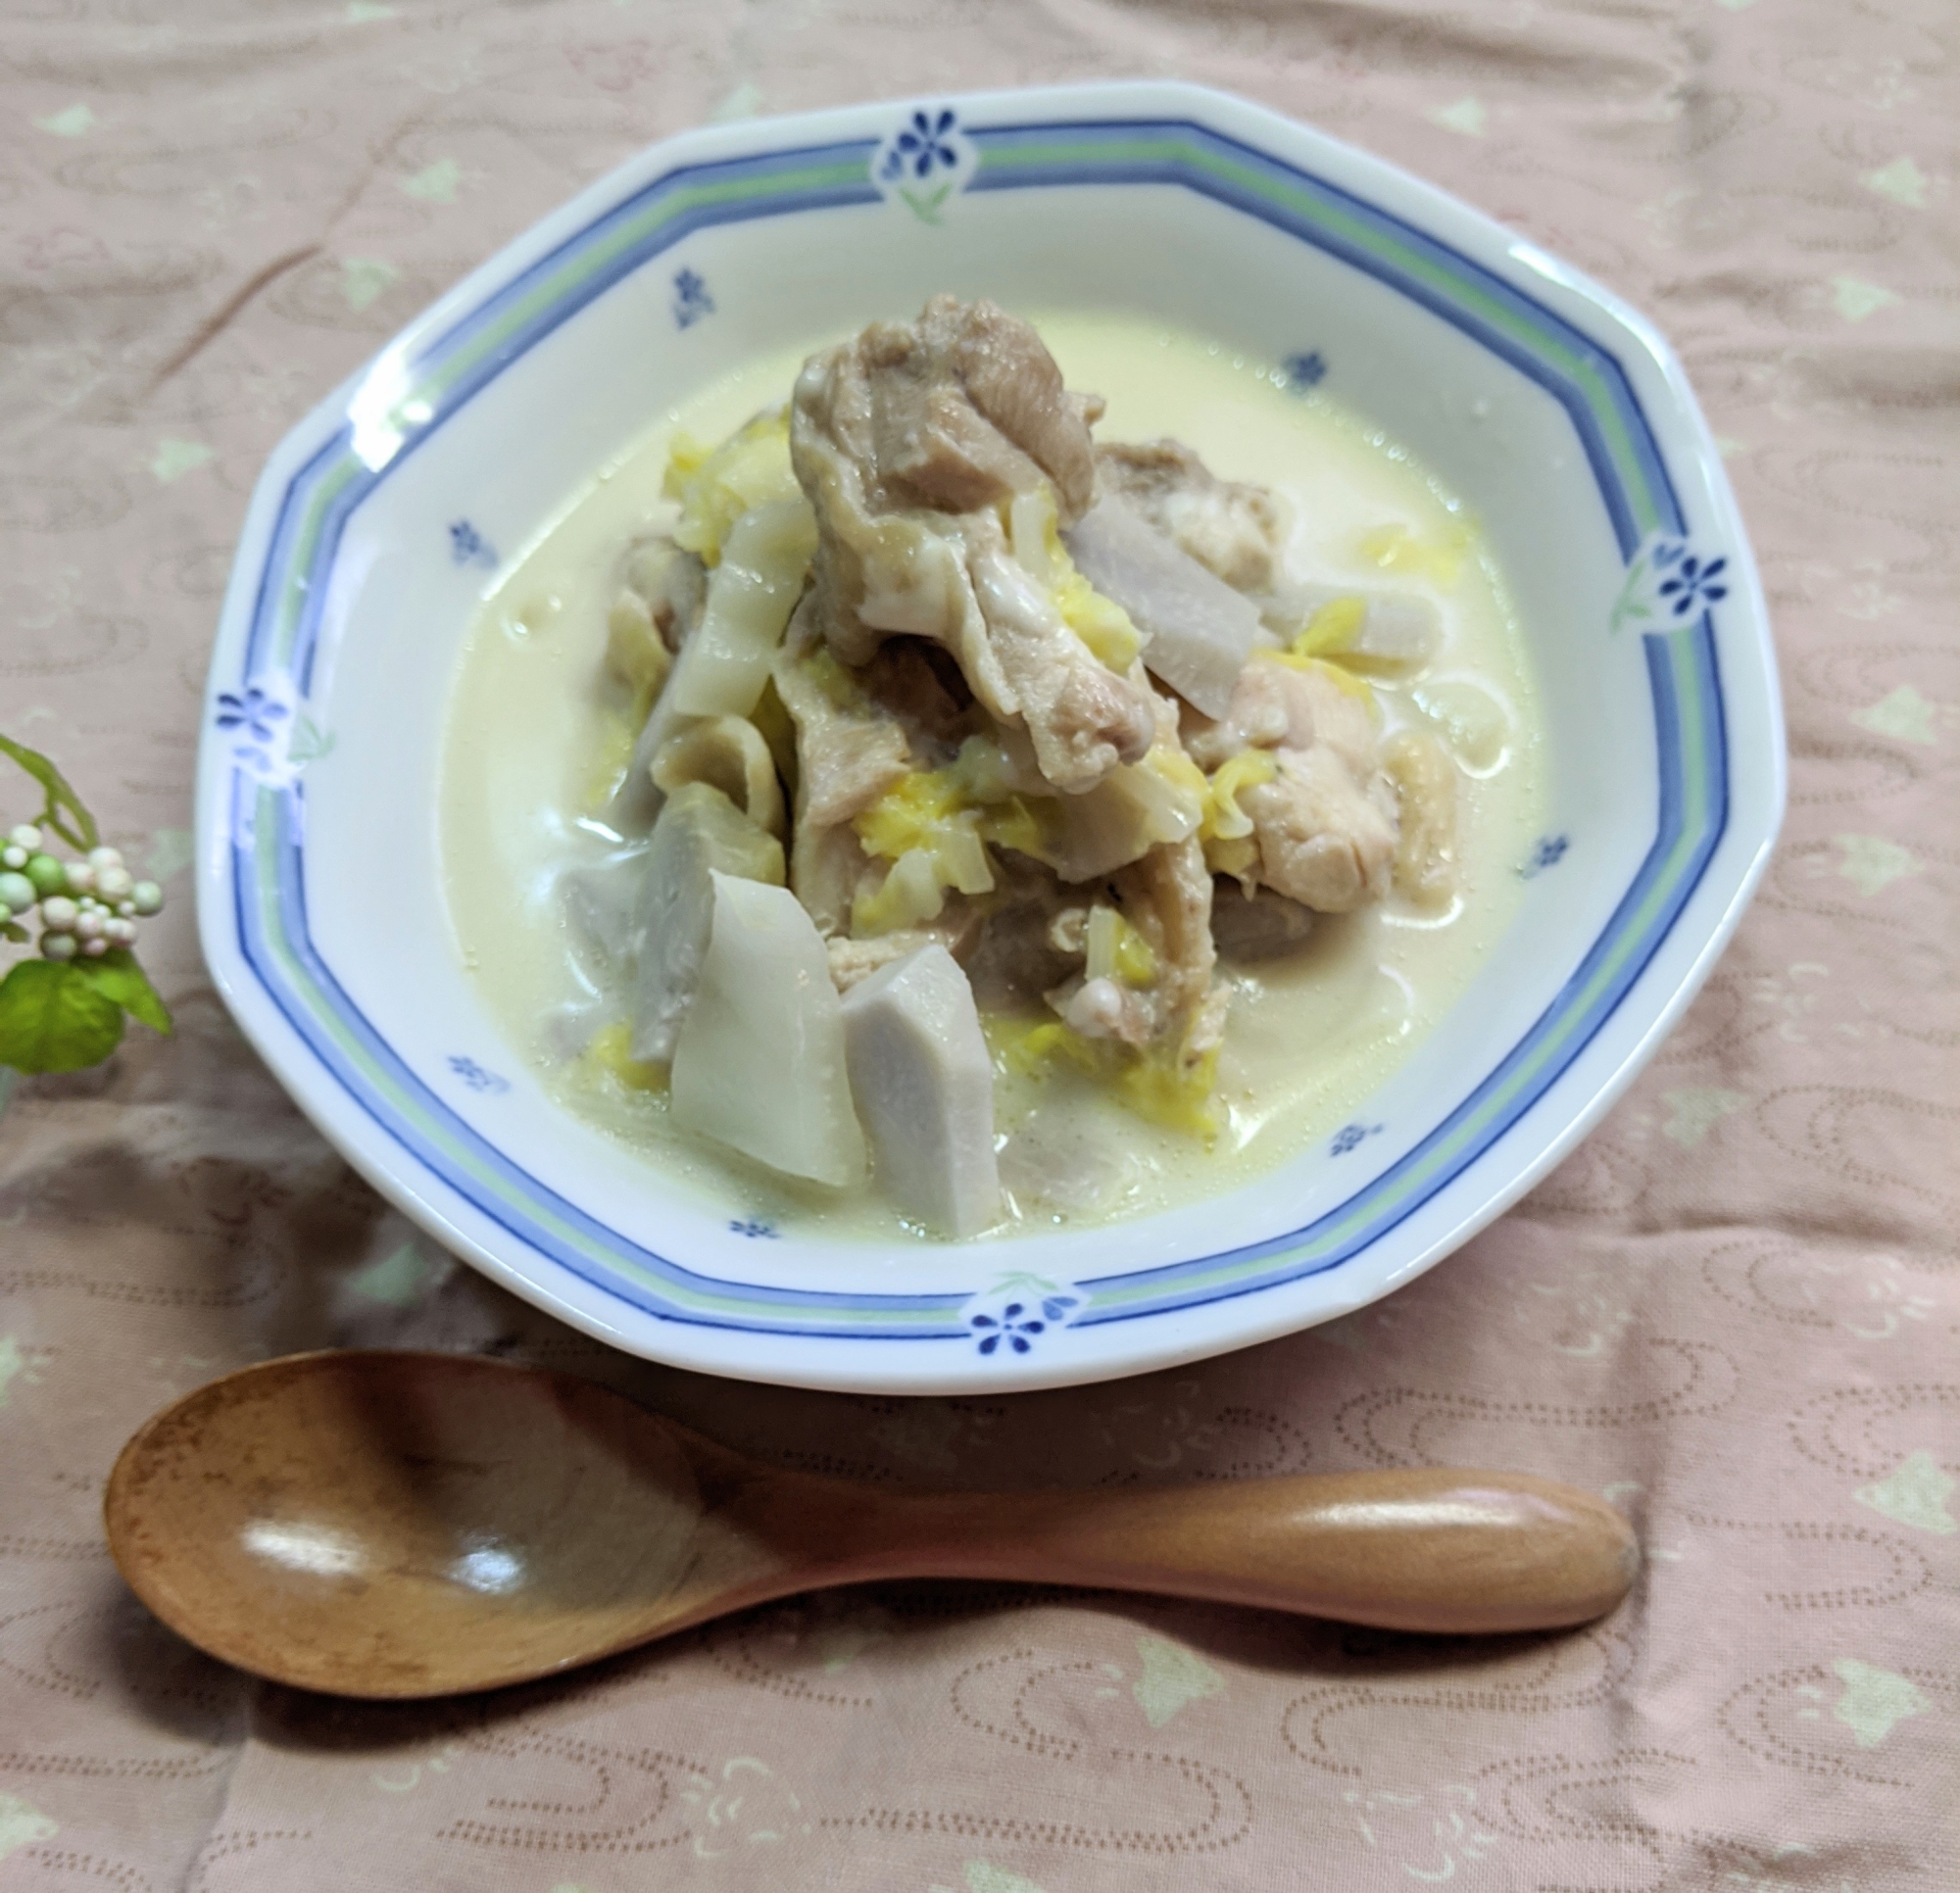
[64,1002]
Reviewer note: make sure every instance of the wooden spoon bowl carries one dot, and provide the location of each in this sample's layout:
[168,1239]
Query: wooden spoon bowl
[399,1525]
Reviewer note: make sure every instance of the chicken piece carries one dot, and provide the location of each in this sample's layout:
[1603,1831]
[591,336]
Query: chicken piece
[920,684]
[1088,837]
[850,750]
[852,961]
[1166,897]
[967,407]
[1425,781]
[1279,705]
[1325,827]
[1272,708]
[1342,713]
[923,1084]
[1230,528]
[1084,718]
[957,927]
[904,440]
[1326,835]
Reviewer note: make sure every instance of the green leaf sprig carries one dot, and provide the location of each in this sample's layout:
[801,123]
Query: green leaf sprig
[63,806]
[66,1009]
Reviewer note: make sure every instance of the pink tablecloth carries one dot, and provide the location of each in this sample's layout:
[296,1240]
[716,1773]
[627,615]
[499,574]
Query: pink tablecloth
[1734,1310]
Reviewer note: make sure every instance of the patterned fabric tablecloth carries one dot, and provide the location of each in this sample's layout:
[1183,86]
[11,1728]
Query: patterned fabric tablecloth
[1734,1310]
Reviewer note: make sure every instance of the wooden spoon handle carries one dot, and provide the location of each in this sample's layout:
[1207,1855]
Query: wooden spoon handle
[1408,1550]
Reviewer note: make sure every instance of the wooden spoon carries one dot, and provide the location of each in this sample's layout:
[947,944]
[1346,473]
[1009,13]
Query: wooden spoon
[396,1524]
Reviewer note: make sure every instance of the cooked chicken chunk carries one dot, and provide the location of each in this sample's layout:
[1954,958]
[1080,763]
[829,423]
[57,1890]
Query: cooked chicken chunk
[1325,826]
[1343,719]
[1426,781]
[920,684]
[852,961]
[850,750]
[905,439]
[967,407]
[1232,528]
[1166,897]
[1272,708]
[1326,836]
[1083,717]
[1025,695]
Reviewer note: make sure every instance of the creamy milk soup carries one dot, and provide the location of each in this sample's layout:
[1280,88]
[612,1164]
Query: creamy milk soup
[537,850]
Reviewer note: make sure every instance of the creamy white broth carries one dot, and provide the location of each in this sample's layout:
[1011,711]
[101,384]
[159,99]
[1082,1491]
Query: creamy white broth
[532,750]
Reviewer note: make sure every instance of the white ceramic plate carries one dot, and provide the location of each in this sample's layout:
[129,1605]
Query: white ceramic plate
[1553,408]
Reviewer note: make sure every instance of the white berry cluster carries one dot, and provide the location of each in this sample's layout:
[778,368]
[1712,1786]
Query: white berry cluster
[86,906]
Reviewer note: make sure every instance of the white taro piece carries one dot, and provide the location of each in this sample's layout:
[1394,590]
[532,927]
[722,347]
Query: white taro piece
[924,1088]
[699,833]
[760,1062]
[1395,634]
[1200,631]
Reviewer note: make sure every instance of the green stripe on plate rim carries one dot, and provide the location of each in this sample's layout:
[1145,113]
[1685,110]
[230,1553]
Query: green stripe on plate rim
[1310,207]
[444,368]
[272,834]
[1631,938]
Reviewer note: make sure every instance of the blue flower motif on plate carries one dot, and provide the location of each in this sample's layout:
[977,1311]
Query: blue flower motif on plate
[690,299]
[1693,581]
[1669,581]
[476,1077]
[749,1227]
[469,547]
[1550,852]
[253,711]
[1035,1307]
[1304,371]
[929,145]
[1350,1137]
[922,145]
[268,735]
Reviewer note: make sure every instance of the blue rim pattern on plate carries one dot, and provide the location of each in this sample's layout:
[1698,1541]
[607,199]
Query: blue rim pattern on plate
[267,813]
